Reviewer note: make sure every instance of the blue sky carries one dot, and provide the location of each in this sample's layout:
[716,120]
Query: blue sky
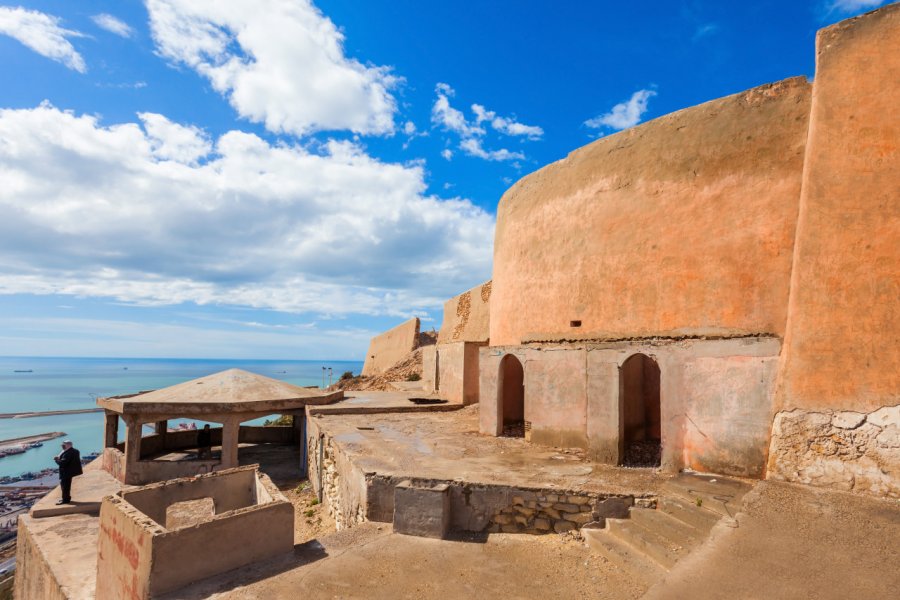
[281,179]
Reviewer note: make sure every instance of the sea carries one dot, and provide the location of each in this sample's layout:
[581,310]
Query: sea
[42,384]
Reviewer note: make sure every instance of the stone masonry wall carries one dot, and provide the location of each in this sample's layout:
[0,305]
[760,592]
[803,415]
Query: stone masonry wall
[343,487]
[847,450]
[542,512]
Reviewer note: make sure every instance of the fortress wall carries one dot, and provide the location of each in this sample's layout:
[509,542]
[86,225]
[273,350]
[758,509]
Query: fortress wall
[390,347]
[685,222]
[467,316]
[839,388]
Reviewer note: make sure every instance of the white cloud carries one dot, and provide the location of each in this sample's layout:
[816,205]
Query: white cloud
[279,62]
[43,34]
[852,6]
[171,141]
[409,128]
[113,25]
[625,114]
[471,133]
[157,213]
[472,147]
[504,125]
[451,119]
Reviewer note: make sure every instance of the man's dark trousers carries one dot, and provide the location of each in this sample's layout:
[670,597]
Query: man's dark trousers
[66,484]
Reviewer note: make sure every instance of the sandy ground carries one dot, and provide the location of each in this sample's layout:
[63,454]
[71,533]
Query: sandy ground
[370,562]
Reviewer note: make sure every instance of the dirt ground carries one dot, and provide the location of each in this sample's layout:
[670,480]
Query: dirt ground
[311,520]
[369,561]
[794,541]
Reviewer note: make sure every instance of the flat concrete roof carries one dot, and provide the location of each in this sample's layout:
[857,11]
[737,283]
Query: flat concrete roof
[231,391]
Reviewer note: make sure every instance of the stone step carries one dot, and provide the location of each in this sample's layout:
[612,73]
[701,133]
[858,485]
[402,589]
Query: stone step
[651,544]
[675,530]
[715,493]
[634,563]
[687,512]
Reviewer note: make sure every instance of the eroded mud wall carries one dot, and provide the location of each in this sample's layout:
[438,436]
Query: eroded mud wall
[684,222]
[839,388]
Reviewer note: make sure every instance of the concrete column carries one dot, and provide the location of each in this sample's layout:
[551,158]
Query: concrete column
[112,430]
[132,442]
[230,431]
[162,427]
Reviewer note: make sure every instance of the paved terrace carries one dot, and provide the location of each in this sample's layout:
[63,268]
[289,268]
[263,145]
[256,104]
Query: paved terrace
[447,446]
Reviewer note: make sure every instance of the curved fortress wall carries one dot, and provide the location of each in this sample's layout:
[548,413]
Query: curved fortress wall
[683,223]
[839,391]
[674,240]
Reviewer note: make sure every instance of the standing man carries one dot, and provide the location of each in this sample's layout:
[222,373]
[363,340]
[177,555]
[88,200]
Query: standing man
[204,442]
[69,461]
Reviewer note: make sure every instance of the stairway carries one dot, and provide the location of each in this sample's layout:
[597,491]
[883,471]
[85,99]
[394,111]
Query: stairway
[651,541]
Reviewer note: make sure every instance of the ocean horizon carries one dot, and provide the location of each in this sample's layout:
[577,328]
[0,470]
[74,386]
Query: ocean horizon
[29,383]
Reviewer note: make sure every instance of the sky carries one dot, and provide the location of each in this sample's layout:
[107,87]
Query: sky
[285,179]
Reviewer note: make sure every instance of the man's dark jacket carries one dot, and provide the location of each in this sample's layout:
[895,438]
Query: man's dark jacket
[69,464]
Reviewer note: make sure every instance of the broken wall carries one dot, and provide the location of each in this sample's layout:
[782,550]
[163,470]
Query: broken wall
[390,347]
[467,316]
[839,389]
[683,223]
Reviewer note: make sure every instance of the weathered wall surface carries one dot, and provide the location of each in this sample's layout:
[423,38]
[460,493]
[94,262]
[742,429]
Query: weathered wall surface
[340,485]
[841,349]
[839,389]
[34,575]
[124,551]
[457,371]
[846,450]
[685,222]
[467,316]
[391,347]
[716,399]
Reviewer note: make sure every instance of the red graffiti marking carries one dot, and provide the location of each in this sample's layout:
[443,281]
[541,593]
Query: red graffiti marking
[126,547]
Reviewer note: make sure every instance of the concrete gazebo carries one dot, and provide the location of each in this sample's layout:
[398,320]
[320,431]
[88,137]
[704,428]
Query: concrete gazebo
[230,398]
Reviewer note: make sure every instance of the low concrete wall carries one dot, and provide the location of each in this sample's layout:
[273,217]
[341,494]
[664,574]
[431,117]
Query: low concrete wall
[140,558]
[391,347]
[716,398]
[845,450]
[124,551]
[467,317]
[235,489]
[226,542]
[113,462]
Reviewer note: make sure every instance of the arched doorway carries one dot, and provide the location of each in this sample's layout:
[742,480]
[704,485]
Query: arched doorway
[511,396]
[640,420]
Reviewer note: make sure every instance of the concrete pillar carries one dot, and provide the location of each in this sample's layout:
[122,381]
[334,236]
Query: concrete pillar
[132,442]
[161,428]
[111,437]
[230,431]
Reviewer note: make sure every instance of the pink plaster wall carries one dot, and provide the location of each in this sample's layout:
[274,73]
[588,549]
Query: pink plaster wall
[686,221]
[841,348]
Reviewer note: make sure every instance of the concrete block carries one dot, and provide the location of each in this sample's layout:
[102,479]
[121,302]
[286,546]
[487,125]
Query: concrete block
[422,511]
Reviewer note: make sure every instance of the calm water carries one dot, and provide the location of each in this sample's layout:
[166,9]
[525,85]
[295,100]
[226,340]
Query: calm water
[70,383]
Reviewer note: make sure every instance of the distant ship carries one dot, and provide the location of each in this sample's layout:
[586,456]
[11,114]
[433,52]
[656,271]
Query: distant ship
[23,371]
